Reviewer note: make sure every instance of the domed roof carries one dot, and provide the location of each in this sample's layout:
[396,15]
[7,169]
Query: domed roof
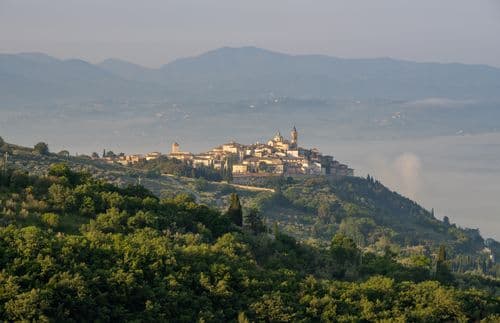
[278,137]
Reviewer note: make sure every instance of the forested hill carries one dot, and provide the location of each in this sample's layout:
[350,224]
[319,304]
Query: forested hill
[314,210]
[76,249]
[376,218]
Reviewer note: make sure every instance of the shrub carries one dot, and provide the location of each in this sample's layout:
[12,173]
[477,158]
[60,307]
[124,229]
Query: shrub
[51,220]
[41,148]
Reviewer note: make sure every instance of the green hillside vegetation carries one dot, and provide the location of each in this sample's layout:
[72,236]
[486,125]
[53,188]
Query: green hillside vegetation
[376,218]
[363,209]
[74,248]
[165,165]
[312,210]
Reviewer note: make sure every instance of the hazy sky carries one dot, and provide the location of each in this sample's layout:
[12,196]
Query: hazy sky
[153,32]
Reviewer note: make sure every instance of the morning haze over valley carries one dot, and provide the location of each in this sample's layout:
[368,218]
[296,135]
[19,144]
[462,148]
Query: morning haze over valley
[383,116]
[250,162]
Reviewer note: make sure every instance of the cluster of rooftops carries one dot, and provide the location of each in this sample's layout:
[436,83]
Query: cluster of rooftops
[279,156]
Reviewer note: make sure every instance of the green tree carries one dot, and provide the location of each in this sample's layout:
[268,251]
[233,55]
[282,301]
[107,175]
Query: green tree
[87,206]
[276,229]
[235,212]
[343,249]
[28,306]
[324,212]
[42,148]
[63,153]
[242,318]
[273,308]
[112,221]
[51,220]
[443,273]
[60,170]
[446,220]
[252,219]
[63,171]
[201,184]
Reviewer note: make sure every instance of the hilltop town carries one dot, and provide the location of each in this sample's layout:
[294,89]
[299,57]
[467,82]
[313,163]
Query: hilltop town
[277,157]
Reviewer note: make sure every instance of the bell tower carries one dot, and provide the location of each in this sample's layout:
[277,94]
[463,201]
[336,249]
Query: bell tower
[175,148]
[294,136]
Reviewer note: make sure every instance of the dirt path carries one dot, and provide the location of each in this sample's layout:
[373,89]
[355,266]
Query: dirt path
[253,188]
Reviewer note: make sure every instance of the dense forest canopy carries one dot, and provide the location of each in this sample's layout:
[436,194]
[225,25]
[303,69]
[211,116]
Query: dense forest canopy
[77,249]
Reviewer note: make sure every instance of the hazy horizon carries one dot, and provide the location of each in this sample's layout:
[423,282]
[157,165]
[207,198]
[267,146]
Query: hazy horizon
[158,32]
[96,62]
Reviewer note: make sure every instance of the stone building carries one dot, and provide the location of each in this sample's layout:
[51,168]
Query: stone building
[278,157]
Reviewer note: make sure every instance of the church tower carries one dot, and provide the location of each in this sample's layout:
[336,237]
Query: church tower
[295,137]
[175,148]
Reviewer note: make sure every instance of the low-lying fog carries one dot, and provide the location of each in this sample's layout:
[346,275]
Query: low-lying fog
[458,176]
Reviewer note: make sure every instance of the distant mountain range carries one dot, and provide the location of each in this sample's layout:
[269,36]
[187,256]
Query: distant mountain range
[231,74]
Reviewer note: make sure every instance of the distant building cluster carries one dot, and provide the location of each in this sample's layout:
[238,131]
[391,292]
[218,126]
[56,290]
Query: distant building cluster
[127,160]
[278,156]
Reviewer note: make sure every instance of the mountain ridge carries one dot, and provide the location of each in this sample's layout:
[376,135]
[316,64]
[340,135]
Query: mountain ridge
[247,72]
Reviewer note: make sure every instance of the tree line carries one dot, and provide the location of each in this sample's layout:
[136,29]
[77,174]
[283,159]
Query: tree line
[76,249]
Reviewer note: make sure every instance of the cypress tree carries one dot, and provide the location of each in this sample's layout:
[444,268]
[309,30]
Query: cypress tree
[276,230]
[443,273]
[446,220]
[442,254]
[235,212]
